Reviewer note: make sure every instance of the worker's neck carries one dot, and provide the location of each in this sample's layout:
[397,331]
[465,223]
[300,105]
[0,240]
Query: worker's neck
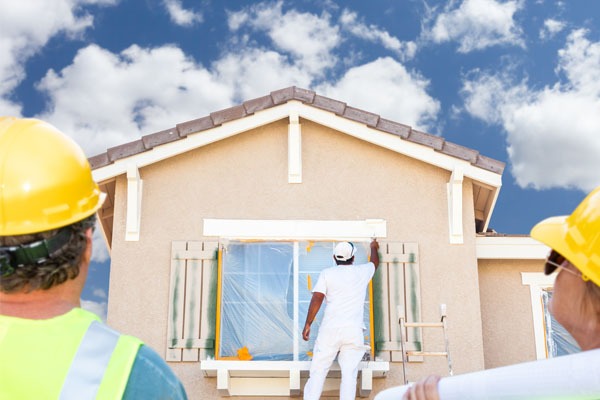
[41,304]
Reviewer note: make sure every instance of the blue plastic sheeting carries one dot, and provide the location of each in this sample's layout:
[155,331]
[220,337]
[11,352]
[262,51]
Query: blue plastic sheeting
[258,297]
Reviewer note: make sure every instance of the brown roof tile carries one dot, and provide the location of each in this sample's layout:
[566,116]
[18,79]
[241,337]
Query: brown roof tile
[99,160]
[228,114]
[458,151]
[367,118]
[162,137]
[325,103]
[195,125]
[306,96]
[395,128]
[258,104]
[126,150]
[490,164]
[426,138]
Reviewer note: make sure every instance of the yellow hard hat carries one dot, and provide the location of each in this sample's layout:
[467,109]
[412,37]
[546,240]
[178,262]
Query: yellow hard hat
[45,179]
[577,236]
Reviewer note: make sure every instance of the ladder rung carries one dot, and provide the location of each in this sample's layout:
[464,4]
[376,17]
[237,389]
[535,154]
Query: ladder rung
[423,324]
[427,353]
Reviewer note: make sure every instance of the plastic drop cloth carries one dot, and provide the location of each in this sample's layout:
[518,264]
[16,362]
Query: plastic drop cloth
[258,297]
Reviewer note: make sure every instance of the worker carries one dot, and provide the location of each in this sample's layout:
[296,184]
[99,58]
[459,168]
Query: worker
[50,348]
[344,286]
[575,253]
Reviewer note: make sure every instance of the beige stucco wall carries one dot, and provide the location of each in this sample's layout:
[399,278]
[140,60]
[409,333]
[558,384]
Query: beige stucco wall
[344,178]
[508,335]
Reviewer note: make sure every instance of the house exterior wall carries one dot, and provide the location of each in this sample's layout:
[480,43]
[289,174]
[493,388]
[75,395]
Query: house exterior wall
[344,178]
[508,332]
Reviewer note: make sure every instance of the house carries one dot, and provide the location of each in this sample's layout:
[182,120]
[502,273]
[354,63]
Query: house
[217,228]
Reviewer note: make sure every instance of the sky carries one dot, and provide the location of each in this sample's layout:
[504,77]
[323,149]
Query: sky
[516,80]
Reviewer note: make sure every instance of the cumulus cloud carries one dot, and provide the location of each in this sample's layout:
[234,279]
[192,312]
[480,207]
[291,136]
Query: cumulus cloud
[401,95]
[26,27]
[100,308]
[551,27]
[105,99]
[476,24]
[371,33]
[99,249]
[552,133]
[181,16]
[308,38]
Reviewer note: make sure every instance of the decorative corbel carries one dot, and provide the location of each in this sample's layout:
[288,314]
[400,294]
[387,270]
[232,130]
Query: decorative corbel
[455,205]
[134,203]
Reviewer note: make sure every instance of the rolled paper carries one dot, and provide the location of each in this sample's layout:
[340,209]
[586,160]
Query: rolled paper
[573,377]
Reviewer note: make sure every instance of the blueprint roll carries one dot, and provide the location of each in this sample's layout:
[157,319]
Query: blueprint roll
[573,377]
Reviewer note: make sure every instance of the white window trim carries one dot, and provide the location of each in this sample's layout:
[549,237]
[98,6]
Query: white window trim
[537,281]
[295,229]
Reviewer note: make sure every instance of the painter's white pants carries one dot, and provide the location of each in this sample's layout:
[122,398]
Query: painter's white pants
[351,346]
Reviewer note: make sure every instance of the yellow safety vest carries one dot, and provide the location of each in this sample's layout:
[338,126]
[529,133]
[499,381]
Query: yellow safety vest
[72,356]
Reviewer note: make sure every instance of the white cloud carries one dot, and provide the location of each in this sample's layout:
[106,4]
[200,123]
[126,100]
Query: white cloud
[477,24]
[98,308]
[551,27]
[100,293]
[25,27]
[308,38]
[349,21]
[105,99]
[181,16]
[99,249]
[552,133]
[395,93]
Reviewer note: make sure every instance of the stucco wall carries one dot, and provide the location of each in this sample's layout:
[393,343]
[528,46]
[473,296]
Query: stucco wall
[508,335]
[343,179]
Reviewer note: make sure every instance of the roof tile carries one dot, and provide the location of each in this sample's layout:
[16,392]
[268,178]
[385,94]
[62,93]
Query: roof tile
[327,104]
[490,164]
[260,103]
[292,93]
[162,137]
[126,150]
[367,118]
[195,125]
[458,151]
[427,139]
[99,160]
[228,114]
[394,127]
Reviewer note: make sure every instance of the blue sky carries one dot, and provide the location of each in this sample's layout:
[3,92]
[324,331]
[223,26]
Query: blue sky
[517,80]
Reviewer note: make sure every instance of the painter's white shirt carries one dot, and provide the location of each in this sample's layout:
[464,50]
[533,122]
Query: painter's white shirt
[344,287]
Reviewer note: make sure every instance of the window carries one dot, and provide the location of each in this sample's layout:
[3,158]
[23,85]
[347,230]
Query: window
[265,291]
[551,339]
[558,341]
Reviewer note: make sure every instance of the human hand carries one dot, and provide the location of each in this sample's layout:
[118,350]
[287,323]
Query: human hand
[306,332]
[425,389]
[374,244]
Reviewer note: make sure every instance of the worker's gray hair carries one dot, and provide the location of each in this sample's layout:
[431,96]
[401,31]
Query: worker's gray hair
[52,271]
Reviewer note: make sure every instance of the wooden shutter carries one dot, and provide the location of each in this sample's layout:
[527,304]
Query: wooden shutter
[397,289]
[192,301]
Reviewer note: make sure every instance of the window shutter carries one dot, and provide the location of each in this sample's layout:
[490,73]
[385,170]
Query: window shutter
[397,292]
[192,299]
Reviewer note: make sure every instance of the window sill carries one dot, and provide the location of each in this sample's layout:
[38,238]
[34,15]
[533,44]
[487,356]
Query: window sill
[279,378]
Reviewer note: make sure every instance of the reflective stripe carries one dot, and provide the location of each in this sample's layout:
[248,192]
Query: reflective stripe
[90,362]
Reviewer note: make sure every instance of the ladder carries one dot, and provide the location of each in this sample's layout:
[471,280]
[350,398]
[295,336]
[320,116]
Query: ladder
[442,324]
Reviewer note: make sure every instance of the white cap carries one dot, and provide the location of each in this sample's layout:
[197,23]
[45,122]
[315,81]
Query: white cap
[344,251]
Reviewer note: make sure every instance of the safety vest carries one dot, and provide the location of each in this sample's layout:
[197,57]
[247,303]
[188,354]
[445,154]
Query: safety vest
[72,356]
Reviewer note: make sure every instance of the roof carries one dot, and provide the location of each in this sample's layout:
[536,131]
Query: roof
[278,97]
[295,103]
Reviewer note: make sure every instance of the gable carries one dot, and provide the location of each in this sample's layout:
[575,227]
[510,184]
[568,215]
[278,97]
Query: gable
[295,106]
